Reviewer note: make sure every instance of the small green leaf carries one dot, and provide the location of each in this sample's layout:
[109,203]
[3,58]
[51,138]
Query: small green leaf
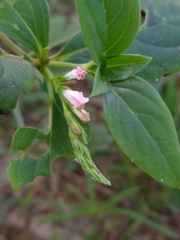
[124,66]
[24,170]
[159,38]
[16,76]
[143,127]
[26,22]
[99,86]
[108,27]
[75,45]
[24,137]
[125,59]
[74,51]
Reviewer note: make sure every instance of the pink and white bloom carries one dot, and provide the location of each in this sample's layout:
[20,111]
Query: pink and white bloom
[75,98]
[78,101]
[83,115]
[77,73]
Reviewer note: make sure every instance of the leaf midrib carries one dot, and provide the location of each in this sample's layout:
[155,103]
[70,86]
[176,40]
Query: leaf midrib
[115,15]
[125,30]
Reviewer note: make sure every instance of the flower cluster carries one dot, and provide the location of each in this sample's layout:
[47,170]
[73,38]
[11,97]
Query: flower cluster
[76,98]
[77,133]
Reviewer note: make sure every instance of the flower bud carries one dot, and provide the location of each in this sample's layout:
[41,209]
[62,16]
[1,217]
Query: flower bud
[83,115]
[77,73]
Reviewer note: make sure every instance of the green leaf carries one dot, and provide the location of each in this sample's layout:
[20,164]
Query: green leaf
[58,137]
[93,25]
[122,23]
[62,29]
[108,26]
[100,86]
[79,58]
[16,76]
[124,66]
[24,137]
[143,127]
[24,170]
[159,38]
[26,22]
[74,51]
[75,45]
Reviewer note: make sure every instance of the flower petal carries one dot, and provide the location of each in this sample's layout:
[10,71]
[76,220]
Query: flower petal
[75,98]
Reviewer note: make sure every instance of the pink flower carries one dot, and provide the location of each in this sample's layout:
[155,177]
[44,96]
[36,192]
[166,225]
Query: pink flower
[83,115]
[77,73]
[75,98]
[78,101]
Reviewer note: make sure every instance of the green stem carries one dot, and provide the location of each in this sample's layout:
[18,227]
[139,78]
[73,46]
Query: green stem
[49,76]
[11,45]
[57,64]
[88,66]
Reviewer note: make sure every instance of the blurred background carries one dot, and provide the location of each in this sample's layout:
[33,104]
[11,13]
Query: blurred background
[68,205]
